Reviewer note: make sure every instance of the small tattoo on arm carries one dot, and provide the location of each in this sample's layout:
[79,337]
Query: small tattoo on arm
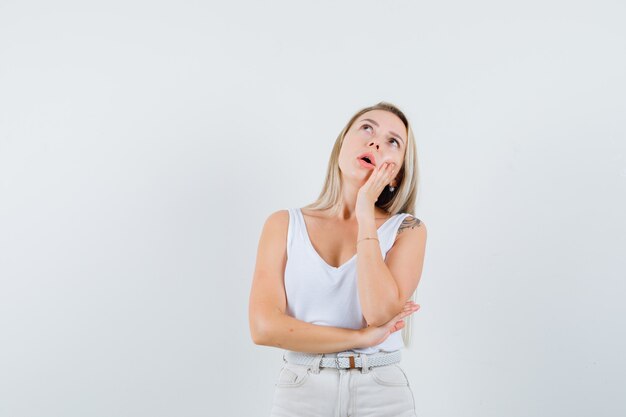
[409,222]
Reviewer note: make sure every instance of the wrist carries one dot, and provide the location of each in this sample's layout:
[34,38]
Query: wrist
[365,215]
[361,340]
[367,228]
[367,238]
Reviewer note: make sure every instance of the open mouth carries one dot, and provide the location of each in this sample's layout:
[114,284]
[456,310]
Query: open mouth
[365,162]
[367,159]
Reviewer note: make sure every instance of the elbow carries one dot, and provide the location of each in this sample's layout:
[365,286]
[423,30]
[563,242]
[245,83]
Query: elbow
[257,338]
[260,331]
[375,321]
[258,334]
[381,317]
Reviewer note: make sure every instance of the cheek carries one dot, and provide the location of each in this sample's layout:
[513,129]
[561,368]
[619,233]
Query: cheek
[347,150]
[343,159]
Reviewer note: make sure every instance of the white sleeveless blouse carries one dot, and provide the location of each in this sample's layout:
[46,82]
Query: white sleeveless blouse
[321,294]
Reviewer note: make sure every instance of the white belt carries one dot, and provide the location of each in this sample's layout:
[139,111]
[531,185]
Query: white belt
[344,359]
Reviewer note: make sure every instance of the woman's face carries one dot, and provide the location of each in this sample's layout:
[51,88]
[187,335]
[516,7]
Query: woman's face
[378,132]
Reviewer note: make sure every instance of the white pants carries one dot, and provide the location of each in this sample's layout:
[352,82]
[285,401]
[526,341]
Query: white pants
[311,391]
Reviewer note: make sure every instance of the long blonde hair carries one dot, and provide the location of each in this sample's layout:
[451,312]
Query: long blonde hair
[401,201]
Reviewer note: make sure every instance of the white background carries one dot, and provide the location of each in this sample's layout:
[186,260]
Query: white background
[143,145]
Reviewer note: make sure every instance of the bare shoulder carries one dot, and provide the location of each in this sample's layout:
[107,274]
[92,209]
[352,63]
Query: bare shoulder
[274,235]
[278,220]
[412,226]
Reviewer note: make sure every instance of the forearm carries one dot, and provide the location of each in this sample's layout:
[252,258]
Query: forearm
[378,292]
[289,333]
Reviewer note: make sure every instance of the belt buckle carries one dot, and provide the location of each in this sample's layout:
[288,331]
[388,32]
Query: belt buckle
[350,358]
[352,361]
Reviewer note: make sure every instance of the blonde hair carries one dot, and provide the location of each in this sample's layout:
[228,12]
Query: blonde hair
[402,200]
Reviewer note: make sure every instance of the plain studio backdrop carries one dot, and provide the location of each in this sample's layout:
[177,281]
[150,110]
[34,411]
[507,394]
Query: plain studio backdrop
[143,145]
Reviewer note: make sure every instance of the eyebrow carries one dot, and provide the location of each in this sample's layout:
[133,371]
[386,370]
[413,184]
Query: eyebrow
[377,125]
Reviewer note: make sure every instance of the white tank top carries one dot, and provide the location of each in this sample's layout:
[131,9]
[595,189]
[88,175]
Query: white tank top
[325,295]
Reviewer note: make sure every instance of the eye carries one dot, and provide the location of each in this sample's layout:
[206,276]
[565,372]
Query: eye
[394,140]
[366,125]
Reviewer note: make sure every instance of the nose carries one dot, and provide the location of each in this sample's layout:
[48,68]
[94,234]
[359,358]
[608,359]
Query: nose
[375,144]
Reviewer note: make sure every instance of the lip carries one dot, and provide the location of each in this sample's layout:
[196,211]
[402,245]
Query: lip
[365,164]
[369,155]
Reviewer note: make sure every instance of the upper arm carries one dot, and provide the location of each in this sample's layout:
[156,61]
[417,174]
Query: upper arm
[405,259]
[267,296]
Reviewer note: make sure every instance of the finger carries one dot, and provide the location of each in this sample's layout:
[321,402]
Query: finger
[390,174]
[391,171]
[408,311]
[399,325]
[374,175]
[376,172]
[411,307]
[382,177]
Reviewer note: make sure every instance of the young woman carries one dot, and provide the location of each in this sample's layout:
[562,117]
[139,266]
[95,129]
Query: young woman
[335,280]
